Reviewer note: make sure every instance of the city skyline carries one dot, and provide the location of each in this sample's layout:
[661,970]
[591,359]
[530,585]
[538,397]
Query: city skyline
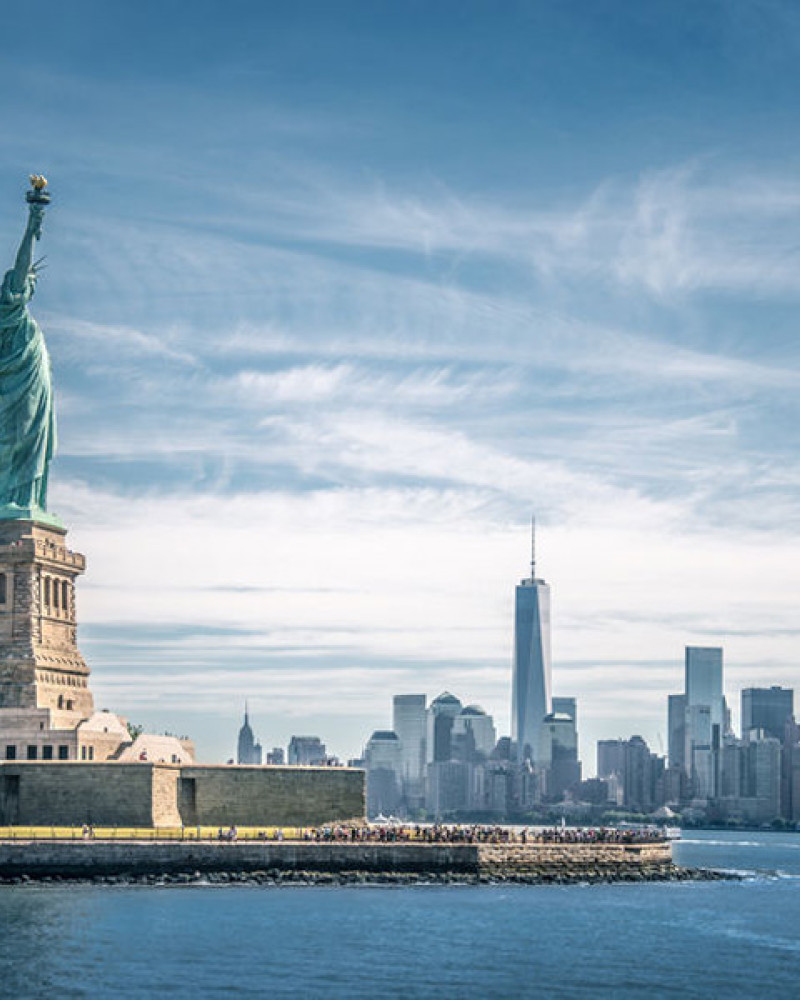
[444,760]
[325,332]
[762,708]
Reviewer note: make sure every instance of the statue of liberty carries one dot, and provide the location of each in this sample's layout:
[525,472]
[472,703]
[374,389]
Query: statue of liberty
[27,415]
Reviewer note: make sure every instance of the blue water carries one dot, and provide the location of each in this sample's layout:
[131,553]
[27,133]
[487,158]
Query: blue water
[709,939]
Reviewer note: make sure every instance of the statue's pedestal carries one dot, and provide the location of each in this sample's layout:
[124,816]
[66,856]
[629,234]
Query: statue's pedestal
[40,664]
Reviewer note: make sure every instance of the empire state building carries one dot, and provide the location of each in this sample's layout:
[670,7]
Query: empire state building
[531,685]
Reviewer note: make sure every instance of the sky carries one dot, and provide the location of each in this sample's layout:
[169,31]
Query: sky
[340,293]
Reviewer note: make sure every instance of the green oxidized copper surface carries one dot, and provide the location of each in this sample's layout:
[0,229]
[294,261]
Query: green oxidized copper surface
[27,414]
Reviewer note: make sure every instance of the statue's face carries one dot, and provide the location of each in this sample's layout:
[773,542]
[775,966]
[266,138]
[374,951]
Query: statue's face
[7,292]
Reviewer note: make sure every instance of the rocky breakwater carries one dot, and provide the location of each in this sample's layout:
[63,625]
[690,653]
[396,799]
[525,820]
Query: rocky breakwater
[581,862]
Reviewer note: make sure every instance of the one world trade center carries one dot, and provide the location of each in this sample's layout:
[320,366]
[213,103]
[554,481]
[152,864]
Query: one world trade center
[530,697]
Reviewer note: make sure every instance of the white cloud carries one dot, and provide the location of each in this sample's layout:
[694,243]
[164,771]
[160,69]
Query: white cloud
[381,590]
[674,229]
[430,411]
[118,341]
[350,384]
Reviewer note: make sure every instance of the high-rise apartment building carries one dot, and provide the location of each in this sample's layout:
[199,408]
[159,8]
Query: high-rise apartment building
[531,683]
[767,709]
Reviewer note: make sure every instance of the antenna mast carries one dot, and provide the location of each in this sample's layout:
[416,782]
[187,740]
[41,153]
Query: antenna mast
[533,547]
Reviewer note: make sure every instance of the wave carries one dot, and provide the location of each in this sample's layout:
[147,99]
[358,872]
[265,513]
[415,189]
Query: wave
[761,874]
[763,940]
[733,843]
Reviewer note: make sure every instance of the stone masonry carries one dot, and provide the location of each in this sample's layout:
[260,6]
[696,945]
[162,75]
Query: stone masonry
[40,664]
[535,863]
[165,795]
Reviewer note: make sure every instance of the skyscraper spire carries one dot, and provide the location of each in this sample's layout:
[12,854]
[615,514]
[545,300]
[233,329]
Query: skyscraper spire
[246,720]
[533,547]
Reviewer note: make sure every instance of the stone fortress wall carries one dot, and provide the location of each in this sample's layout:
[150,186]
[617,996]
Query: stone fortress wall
[270,795]
[167,795]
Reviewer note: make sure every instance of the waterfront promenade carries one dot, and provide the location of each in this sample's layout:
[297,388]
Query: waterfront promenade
[429,833]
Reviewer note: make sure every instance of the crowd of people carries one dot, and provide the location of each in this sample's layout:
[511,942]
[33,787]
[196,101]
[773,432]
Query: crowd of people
[476,834]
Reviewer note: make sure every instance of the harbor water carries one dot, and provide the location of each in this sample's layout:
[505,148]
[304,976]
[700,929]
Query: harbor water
[697,939]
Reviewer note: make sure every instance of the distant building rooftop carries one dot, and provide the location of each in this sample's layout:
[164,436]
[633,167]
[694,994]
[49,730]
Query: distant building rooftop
[445,698]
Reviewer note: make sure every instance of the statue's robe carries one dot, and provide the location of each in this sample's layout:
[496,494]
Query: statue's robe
[27,415]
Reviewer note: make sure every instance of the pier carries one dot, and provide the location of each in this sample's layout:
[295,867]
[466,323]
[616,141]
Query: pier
[130,858]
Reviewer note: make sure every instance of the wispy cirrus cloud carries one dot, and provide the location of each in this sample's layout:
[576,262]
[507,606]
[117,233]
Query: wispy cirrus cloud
[350,384]
[677,229]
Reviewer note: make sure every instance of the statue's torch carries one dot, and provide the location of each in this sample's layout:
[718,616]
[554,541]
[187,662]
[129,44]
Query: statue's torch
[37,197]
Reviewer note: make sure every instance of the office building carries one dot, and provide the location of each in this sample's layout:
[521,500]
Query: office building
[750,785]
[767,710]
[705,718]
[559,751]
[473,735]
[441,715]
[566,706]
[307,750]
[531,682]
[447,788]
[676,729]
[248,749]
[383,759]
[703,686]
[610,758]
[640,776]
[790,773]
[409,722]
[635,776]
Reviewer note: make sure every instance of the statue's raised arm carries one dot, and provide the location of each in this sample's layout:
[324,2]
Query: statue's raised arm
[27,417]
[23,266]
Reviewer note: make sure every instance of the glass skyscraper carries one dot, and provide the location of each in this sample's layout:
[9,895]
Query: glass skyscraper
[410,721]
[530,696]
[705,718]
[676,725]
[704,681]
[768,709]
